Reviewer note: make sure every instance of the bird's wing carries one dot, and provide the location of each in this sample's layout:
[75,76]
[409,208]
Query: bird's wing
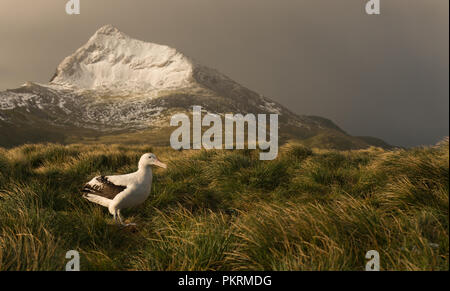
[126,179]
[98,199]
[102,186]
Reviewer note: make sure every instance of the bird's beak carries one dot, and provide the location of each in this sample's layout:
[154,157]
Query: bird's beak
[160,164]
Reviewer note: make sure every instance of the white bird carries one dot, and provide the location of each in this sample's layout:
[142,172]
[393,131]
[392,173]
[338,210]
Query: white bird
[123,191]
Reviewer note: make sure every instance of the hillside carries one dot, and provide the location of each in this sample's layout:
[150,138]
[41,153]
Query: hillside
[115,85]
[227,210]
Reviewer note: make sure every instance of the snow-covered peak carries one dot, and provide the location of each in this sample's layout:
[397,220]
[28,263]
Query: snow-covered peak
[113,62]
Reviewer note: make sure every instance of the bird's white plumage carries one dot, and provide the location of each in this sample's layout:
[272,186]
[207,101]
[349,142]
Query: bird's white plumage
[98,199]
[123,191]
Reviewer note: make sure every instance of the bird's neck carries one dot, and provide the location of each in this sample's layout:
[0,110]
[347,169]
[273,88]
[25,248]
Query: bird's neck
[144,173]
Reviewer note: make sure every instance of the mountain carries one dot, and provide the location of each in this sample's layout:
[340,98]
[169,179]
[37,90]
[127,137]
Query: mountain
[118,89]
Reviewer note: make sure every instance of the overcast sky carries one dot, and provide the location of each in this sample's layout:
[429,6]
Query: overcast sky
[385,76]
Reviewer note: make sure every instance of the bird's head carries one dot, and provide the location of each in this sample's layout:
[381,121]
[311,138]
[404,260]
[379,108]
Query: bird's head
[150,159]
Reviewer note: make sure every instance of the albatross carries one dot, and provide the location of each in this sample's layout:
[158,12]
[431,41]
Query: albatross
[123,191]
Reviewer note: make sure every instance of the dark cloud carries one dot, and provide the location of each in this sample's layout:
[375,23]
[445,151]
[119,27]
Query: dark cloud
[385,76]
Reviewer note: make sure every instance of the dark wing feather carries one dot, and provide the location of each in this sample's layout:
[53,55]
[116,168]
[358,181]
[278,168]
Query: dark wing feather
[107,189]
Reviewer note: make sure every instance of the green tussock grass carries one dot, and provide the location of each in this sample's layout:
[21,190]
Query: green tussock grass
[309,209]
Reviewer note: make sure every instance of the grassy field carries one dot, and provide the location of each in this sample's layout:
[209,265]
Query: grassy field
[226,210]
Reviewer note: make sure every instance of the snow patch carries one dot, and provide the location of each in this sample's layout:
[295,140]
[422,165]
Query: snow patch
[270,107]
[10,101]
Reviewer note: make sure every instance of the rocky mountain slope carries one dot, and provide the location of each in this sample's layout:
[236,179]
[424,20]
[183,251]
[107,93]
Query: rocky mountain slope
[115,86]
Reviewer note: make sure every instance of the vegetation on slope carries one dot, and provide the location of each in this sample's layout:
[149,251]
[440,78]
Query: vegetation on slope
[226,210]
